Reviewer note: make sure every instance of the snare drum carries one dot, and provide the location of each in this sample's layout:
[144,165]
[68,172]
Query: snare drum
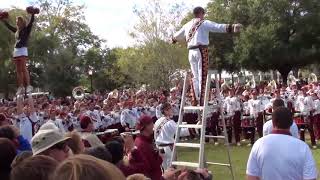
[247,121]
[299,119]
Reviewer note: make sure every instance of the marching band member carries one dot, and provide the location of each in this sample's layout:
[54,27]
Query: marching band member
[306,107]
[256,110]
[232,107]
[128,117]
[316,114]
[87,126]
[56,121]
[164,133]
[268,126]
[196,33]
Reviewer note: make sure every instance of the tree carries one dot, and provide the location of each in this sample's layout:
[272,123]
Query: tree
[279,34]
[154,59]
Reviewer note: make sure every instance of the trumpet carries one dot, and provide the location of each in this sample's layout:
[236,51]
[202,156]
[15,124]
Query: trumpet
[78,93]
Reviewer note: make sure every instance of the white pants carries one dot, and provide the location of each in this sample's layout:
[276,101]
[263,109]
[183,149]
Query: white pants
[195,60]
[166,157]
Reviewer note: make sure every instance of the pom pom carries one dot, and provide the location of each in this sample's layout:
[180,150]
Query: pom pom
[32,10]
[29,10]
[4,15]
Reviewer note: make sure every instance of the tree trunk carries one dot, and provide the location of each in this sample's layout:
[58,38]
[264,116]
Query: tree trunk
[284,71]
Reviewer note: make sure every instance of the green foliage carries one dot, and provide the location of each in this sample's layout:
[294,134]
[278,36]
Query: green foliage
[280,34]
[62,49]
[155,59]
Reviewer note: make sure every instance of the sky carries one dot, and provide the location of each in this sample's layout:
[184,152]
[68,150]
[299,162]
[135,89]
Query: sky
[110,19]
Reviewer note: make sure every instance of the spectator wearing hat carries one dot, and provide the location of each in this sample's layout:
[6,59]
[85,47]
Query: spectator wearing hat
[7,155]
[272,156]
[13,134]
[50,143]
[90,139]
[146,150]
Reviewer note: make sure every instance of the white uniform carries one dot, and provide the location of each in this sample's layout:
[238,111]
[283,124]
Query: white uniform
[128,117]
[255,107]
[164,133]
[201,37]
[25,125]
[96,118]
[231,105]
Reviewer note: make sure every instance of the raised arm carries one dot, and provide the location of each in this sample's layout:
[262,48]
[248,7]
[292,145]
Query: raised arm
[29,26]
[11,28]
[20,105]
[179,36]
[222,28]
[31,104]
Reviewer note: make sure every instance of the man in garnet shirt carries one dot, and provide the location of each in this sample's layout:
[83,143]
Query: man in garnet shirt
[145,147]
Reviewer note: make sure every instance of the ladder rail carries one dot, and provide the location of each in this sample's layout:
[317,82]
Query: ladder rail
[180,118]
[204,121]
[218,96]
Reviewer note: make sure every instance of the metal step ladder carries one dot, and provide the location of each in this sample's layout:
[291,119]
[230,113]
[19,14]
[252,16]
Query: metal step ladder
[202,163]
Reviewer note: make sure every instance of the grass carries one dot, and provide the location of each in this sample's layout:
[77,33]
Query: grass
[239,157]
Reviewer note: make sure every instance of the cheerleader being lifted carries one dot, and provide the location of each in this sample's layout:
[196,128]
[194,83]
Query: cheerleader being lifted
[20,54]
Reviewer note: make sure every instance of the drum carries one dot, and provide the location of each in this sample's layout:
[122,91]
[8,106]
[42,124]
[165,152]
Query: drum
[299,119]
[247,121]
[228,120]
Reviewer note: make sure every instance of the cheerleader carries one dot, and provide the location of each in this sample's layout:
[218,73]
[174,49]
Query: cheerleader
[20,54]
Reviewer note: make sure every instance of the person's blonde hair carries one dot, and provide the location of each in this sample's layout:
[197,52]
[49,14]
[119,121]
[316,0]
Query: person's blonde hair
[137,177]
[20,18]
[75,142]
[85,167]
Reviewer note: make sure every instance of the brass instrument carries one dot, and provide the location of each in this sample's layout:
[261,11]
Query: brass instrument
[312,78]
[78,93]
[292,80]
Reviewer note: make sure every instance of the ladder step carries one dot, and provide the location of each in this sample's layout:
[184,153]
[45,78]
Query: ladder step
[218,137]
[195,126]
[200,108]
[186,164]
[192,145]
[219,164]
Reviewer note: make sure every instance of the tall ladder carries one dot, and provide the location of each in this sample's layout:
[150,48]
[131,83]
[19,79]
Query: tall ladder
[202,163]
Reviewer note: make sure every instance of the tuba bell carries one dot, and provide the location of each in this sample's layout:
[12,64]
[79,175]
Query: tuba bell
[292,80]
[78,93]
[312,78]
[272,85]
